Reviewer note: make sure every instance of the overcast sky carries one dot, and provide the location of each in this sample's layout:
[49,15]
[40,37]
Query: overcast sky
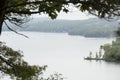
[74,14]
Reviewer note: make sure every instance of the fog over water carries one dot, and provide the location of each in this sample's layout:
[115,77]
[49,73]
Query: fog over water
[64,54]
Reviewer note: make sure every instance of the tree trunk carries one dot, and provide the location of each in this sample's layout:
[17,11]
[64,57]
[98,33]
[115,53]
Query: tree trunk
[2,12]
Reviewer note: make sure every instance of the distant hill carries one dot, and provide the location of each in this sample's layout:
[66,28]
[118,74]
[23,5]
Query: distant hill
[89,28]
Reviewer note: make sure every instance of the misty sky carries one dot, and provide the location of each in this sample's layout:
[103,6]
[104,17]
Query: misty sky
[74,14]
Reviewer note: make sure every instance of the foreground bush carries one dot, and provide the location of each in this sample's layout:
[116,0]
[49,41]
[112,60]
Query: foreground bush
[12,64]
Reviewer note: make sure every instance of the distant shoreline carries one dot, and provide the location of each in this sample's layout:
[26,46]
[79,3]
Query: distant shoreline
[65,33]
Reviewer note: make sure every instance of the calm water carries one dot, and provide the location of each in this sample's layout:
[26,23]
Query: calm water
[64,54]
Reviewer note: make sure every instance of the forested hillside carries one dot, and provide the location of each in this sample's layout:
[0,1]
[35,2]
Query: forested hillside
[89,28]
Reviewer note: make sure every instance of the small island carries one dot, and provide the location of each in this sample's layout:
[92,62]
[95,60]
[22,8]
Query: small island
[107,52]
[88,58]
[98,56]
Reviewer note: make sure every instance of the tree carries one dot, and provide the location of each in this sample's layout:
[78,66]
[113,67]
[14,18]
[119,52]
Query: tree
[17,11]
[112,51]
[96,56]
[12,64]
[90,54]
[100,52]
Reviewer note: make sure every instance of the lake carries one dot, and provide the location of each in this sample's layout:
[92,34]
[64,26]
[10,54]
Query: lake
[64,54]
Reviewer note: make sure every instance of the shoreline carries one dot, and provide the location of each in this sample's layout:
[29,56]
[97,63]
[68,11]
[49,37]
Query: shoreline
[88,58]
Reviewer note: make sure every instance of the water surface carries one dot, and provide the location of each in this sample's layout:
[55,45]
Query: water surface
[64,54]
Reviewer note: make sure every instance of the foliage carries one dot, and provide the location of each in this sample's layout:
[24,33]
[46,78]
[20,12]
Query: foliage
[112,51]
[101,8]
[55,76]
[25,8]
[16,11]
[12,64]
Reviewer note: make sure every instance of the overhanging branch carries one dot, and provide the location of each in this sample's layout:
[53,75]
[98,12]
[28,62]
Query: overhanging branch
[39,2]
[23,12]
[15,31]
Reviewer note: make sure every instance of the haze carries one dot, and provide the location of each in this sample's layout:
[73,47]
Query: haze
[74,14]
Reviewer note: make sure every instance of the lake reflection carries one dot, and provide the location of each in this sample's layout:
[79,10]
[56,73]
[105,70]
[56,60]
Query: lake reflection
[64,54]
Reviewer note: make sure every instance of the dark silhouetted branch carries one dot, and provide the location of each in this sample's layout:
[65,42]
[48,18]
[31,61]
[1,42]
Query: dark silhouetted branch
[14,30]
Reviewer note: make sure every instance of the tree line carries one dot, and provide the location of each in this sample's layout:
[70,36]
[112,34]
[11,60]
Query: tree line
[88,28]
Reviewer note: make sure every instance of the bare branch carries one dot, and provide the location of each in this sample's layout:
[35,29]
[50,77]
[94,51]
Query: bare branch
[17,22]
[14,30]
[23,12]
